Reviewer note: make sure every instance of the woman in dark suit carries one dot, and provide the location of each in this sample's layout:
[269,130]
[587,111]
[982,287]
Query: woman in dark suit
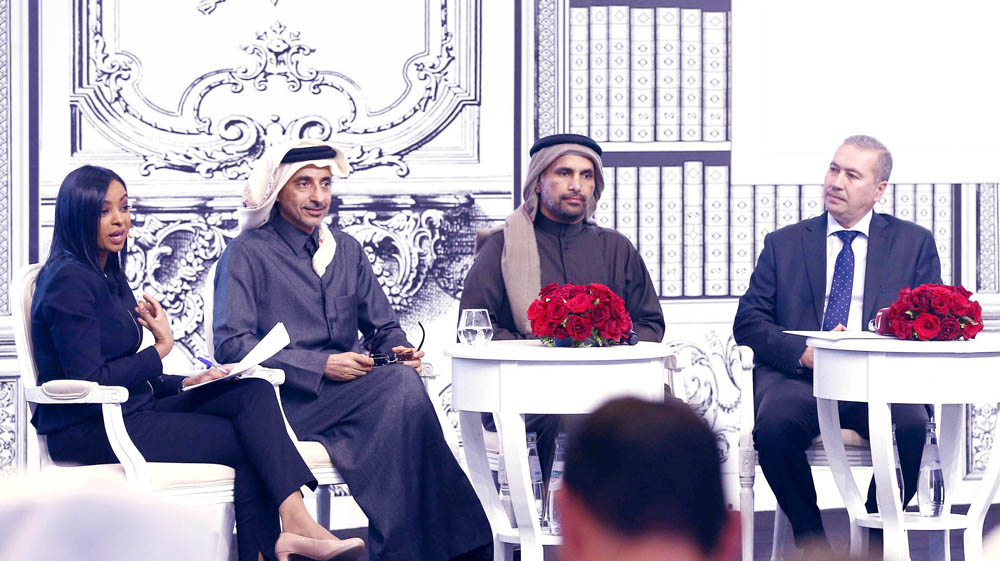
[85,325]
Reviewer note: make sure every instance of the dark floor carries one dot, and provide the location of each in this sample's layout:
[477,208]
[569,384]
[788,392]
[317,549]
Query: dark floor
[837,530]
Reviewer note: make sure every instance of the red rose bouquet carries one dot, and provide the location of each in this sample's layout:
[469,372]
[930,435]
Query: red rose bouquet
[584,316]
[932,312]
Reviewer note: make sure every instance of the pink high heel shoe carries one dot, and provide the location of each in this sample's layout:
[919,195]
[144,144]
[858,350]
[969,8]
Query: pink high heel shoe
[318,550]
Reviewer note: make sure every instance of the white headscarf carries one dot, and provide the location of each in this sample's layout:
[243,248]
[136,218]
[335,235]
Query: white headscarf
[267,179]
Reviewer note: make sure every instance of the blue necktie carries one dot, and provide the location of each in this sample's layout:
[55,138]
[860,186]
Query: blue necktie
[839,304]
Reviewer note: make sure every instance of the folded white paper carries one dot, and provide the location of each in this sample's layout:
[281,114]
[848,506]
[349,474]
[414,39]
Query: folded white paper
[274,341]
[837,335]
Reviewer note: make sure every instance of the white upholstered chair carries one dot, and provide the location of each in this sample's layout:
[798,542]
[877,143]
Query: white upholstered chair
[858,455]
[313,453]
[205,485]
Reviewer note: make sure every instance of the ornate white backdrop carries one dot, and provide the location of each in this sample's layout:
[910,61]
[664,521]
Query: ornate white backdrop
[438,101]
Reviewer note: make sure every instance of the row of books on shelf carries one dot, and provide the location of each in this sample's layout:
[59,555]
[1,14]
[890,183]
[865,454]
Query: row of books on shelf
[700,236]
[649,74]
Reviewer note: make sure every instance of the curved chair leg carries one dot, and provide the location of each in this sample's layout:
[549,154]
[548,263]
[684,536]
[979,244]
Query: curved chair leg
[781,527]
[859,542]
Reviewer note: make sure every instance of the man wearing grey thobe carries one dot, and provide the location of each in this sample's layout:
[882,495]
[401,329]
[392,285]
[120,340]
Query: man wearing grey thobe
[377,422]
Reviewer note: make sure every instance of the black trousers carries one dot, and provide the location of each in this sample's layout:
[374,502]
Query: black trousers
[786,424]
[237,424]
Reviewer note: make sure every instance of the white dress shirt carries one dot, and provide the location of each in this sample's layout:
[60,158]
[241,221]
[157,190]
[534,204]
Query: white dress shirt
[860,248]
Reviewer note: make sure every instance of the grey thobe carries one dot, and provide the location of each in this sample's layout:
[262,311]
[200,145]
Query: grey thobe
[380,429]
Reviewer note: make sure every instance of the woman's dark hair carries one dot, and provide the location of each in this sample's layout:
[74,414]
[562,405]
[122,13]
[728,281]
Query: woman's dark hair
[78,212]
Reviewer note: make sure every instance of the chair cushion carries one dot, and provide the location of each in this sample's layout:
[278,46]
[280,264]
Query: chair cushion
[314,454]
[164,476]
[851,438]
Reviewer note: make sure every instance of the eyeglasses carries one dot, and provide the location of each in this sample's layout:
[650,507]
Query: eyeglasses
[382,359]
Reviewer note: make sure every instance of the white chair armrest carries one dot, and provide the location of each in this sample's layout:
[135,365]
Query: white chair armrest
[274,375]
[75,391]
[427,372]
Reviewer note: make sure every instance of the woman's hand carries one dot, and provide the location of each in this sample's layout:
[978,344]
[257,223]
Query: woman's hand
[415,357]
[153,318]
[207,375]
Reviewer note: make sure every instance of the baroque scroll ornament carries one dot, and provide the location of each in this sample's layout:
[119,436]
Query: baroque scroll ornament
[439,83]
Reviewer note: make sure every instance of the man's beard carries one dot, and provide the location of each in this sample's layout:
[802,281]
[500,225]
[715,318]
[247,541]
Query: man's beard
[559,211]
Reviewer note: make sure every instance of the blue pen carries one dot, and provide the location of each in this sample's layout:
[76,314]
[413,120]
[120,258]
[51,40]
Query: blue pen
[206,362]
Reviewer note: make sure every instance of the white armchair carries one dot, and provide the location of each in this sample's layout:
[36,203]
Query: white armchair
[190,484]
[858,455]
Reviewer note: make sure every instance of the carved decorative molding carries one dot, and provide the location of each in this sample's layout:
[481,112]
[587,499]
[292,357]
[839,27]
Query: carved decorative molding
[177,242]
[439,82]
[710,384]
[6,267]
[400,248]
[9,459]
[986,238]
[546,51]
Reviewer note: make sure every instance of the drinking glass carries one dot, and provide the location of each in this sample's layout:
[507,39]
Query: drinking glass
[475,327]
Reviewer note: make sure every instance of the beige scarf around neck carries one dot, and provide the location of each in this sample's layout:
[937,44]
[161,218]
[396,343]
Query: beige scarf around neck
[519,264]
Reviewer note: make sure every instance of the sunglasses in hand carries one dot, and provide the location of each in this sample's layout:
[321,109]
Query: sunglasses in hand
[382,359]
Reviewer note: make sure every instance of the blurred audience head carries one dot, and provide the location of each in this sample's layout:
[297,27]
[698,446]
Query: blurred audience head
[60,515]
[642,481]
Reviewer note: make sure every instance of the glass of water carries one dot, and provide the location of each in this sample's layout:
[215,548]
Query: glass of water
[475,327]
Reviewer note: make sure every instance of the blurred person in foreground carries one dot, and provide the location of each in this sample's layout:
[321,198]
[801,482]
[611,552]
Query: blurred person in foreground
[643,482]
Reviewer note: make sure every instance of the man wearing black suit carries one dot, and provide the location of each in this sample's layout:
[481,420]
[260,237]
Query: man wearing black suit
[834,271]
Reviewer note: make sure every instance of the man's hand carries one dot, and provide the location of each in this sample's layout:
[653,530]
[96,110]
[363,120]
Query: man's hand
[807,356]
[416,355]
[806,360]
[207,375]
[344,367]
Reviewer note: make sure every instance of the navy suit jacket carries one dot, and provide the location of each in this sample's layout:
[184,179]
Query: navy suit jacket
[83,328]
[788,288]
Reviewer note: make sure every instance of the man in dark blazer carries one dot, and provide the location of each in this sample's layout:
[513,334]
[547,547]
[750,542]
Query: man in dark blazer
[834,271]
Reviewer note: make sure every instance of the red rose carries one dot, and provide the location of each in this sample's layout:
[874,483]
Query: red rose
[927,326]
[536,310]
[599,314]
[920,299]
[540,328]
[959,289]
[618,306]
[960,305]
[904,294]
[559,331]
[556,310]
[976,312]
[902,328]
[579,303]
[579,327]
[940,299]
[549,291]
[610,330]
[970,329]
[598,287]
[950,329]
